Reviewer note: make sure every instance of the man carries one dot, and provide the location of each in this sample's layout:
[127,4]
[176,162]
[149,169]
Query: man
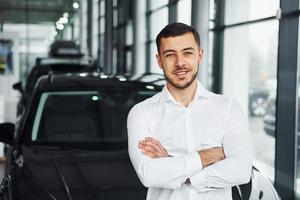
[186,142]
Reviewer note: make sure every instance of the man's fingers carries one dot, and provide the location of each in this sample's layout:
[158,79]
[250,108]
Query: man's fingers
[153,146]
[149,154]
[157,143]
[148,151]
[147,147]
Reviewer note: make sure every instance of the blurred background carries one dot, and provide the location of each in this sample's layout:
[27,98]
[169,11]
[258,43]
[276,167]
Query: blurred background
[251,54]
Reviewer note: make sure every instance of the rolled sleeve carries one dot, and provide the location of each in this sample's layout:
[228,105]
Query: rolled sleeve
[193,162]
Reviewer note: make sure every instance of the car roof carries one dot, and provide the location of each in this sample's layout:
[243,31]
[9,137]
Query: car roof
[99,80]
[46,65]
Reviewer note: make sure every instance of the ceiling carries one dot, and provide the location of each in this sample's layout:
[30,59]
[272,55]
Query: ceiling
[39,11]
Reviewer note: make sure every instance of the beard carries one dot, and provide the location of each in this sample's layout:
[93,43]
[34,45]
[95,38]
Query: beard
[181,85]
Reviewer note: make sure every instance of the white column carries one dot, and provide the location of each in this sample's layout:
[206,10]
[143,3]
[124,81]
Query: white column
[200,20]
[139,34]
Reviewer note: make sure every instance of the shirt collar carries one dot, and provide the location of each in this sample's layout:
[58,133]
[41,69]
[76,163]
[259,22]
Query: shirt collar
[200,92]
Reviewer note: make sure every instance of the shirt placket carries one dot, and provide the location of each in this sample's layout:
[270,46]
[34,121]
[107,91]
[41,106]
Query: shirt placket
[189,138]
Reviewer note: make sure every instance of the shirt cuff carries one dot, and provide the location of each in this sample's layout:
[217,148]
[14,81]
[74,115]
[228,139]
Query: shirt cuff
[199,181]
[193,163]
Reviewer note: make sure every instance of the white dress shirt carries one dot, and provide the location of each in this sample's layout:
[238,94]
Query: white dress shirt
[210,120]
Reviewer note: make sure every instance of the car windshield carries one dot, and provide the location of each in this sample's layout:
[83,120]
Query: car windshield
[84,116]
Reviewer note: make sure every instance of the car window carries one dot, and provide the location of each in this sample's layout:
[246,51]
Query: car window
[84,116]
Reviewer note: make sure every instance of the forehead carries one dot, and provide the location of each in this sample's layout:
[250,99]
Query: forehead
[178,42]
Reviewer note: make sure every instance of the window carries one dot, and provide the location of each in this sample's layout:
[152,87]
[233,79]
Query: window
[246,10]
[101,48]
[250,66]
[157,18]
[184,11]
[84,116]
[248,55]
[159,14]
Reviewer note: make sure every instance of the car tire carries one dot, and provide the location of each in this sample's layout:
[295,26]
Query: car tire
[258,105]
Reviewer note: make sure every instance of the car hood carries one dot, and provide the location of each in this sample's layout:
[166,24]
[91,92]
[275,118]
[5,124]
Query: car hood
[77,174]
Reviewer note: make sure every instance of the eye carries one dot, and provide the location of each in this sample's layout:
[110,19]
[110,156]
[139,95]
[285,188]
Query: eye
[168,55]
[188,53]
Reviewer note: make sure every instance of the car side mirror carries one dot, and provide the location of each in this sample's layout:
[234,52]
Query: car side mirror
[18,86]
[7,131]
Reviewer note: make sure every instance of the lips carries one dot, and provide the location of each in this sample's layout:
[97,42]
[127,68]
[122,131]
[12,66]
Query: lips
[181,73]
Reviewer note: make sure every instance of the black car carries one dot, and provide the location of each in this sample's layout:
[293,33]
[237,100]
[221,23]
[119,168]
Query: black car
[71,142]
[270,116]
[64,57]
[258,101]
[269,119]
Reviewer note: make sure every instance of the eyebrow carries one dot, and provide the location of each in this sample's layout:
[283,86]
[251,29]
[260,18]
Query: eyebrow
[185,49]
[189,48]
[168,51]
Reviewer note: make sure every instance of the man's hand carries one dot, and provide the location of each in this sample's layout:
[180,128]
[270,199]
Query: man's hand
[211,155]
[152,148]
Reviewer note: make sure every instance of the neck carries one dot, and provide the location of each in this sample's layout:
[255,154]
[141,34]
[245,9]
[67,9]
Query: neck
[183,96]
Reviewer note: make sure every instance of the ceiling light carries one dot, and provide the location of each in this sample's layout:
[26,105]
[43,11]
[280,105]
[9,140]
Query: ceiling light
[95,98]
[75,5]
[122,79]
[83,74]
[65,15]
[103,76]
[63,20]
[60,26]
[150,87]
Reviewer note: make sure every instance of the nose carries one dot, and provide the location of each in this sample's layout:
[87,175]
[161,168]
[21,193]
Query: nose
[180,60]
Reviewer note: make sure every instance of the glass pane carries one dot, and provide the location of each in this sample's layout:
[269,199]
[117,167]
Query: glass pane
[95,29]
[212,9]
[115,3]
[102,51]
[102,25]
[158,21]
[85,116]
[153,63]
[157,3]
[239,11]
[102,8]
[115,18]
[184,11]
[250,67]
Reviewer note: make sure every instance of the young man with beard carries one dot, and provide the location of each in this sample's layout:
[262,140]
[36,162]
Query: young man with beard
[187,143]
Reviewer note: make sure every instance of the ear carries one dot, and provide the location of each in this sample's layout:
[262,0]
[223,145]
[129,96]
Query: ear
[158,60]
[201,55]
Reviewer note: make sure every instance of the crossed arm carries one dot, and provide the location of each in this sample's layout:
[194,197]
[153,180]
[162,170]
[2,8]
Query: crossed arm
[153,149]
[207,169]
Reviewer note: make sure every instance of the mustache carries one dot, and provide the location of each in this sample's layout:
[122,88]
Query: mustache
[180,68]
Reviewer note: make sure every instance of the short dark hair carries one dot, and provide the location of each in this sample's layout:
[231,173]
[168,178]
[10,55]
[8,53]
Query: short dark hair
[176,29]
